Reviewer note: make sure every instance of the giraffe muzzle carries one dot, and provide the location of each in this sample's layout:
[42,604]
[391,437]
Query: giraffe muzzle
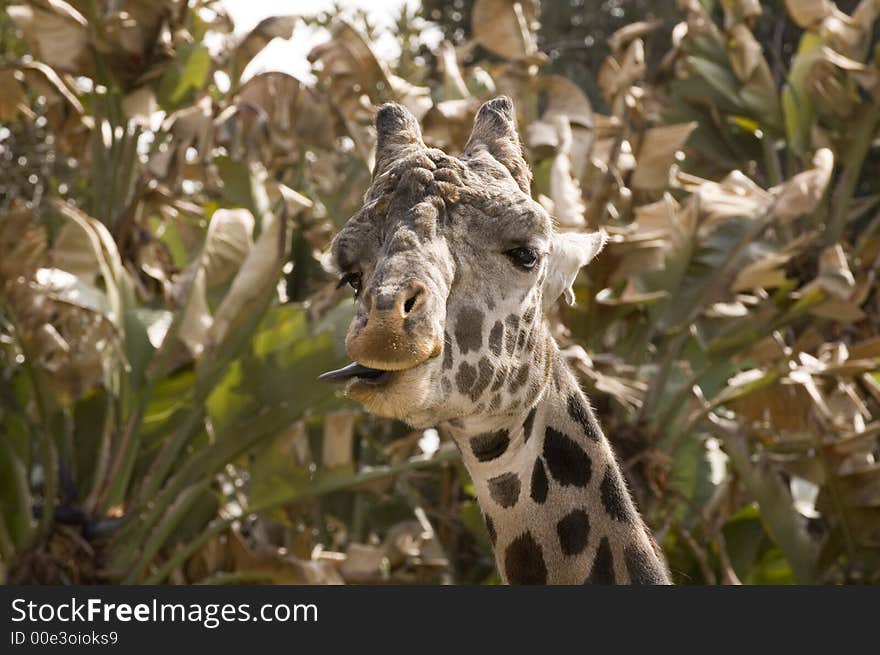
[395,331]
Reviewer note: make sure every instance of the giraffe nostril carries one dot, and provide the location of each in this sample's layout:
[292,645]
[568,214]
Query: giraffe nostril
[410,303]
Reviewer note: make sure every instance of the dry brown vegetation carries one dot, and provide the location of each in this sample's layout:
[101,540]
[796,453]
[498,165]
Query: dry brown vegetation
[163,313]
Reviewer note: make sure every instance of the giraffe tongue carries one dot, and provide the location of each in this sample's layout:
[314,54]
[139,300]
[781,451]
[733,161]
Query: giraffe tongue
[354,370]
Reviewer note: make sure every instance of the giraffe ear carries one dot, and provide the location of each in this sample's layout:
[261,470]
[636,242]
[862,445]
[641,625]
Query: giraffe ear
[495,131]
[571,252]
[397,131]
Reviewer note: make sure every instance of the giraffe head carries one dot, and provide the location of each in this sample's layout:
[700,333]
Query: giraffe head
[452,264]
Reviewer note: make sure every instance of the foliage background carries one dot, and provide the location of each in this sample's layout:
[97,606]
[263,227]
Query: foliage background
[163,311]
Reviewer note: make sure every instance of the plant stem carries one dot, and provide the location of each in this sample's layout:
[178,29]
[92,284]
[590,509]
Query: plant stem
[104,454]
[327,485]
[680,396]
[168,456]
[724,346]
[655,388]
[116,482]
[709,290]
[47,454]
[771,160]
[169,522]
[862,138]
[7,548]
[779,517]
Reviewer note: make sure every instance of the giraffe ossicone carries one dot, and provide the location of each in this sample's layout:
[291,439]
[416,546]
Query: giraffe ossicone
[453,265]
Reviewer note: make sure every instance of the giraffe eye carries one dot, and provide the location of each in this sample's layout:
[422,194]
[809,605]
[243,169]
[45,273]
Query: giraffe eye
[524,258]
[353,280]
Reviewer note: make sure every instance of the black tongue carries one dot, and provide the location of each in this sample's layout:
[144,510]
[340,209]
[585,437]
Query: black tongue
[351,371]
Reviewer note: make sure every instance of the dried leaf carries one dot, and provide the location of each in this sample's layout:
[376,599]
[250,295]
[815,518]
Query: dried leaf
[630,297]
[74,252]
[765,273]
[338,439]
[618,73]
[600,156]
[727,310]
[191,127]
[293,201]
[292,112]
[829,89]
[50,83]
[11,95]
[736,11]
[868,77]
[268,29]
[866,13]
[353,77]
[448,124]
[736,195]
[837,281]
[505,27]
[667,218]
[622,37]
[255,281]
[58,36]
[745,52]
[196,318]
[227,244]
[121,35]
[565,191]
[228,250]
[839,311]
[363,563]
[140,105]
[834,274]
[657,154]
[809,14]
[866,349]
[801,194]
[542,139]
[843,34]
[635,255]
[565,98]
[454,87]
[415,98]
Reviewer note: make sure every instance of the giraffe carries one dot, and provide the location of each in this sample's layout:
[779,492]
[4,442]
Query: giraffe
[453,265]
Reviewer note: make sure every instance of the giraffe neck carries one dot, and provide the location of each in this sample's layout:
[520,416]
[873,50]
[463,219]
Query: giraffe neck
[556,505]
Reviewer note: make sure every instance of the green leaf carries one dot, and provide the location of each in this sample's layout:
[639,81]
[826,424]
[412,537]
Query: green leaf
[171,393]
[719,78]
[276,381]
[257,398]
[275,473]
[89,415]
[188,72]
[166,528]
[798,110]
[772,568]
[472,518]
[744,536]
[203,509]
[16,393]
[745,123]
[15,496]
[171,233]
[138,349]
[244,187]
[690,480]
[766,379]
